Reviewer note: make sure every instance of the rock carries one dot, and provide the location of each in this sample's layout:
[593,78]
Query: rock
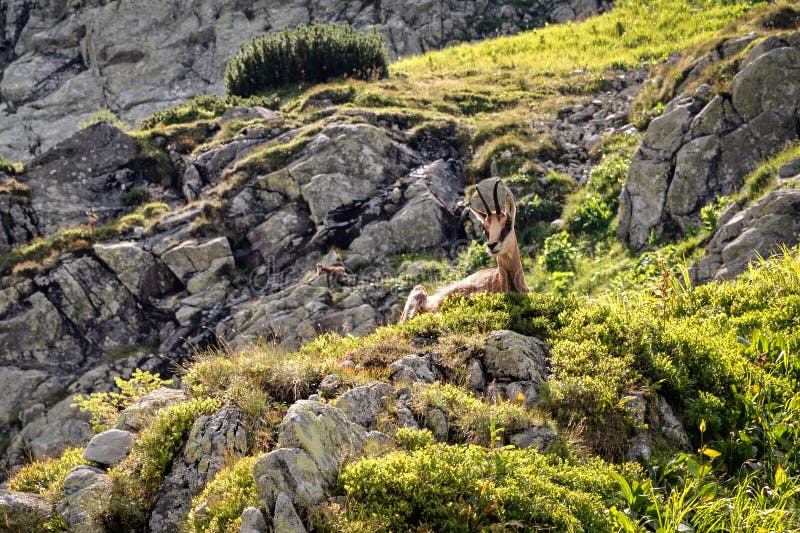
[789,169]
[285,517]
[212,441]
[136,415]
[536,437]
[82,487]
[700,149]
[436,421]
[109,447]
[253,521]
[190,259]
[289,470]
[22,511]
[18,221]
[324,433]
[363,404]
[70,60]
[671,427]
[80,174]
[509,356]
[412,368]
[475,378]
[143,274]
[758,230]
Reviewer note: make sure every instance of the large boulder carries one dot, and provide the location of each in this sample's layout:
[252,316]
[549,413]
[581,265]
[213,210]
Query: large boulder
[759,230]
[85,172]
[109,447]
[143,274]
[703,145]
[83,486]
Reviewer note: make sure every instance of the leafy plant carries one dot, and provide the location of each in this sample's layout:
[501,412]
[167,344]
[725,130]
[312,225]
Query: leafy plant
[558,254]
[218,508]
[106,406]
[305,54]
[46,476]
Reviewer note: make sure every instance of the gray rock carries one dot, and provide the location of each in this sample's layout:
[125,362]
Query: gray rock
[363,404]
[758,230]
[253,521]
[109,447]
[289,470]
[82,488]
[696,151]
[191,258]
[70,60]
[63,187]
[18,221]
[789,169]
[324,433]
[671,427]
[135,416]
[436,421]
[509,356]
[412,368]
[475,378]
[212,441]
[143,274]
[22,511]
[285,517]
[536,437]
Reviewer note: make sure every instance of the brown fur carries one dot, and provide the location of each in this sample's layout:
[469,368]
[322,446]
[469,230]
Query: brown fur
[508,276]
[331,272]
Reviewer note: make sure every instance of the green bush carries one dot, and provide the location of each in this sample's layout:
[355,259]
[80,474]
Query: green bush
[591,216]
[468,488]
[414,439]
[135,196]
[472,258]
[559,253]
[106,406]
[198,108]
[47,476]
[218,509]
[305,54]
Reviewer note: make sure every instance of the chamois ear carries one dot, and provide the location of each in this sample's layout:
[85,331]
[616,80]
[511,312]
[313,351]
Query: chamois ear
[511,207]
[480,215]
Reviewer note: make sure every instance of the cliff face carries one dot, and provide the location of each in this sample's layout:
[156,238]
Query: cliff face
[61,61]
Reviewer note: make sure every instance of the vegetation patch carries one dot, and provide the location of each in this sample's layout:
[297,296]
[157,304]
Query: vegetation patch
[469,488]
[47,476]
[218,509]
[313,53]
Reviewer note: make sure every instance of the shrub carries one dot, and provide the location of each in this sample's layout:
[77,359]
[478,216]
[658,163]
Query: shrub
[305,54]
[135,196]
[414,439]
[7,167]
[469,418]
[558,254]
[103,115]
[472,258]
[591,216]
[218,509]
[47,476]
[709,214]
[106,406]
[468,488]
[198,108]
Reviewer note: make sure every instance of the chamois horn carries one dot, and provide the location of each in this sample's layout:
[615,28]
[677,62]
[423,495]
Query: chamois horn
[496,201]
[483,200]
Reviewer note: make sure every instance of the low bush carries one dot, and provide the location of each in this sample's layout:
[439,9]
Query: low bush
[218,509]
[46,476]
[559,253]
[313,53]
[468,488]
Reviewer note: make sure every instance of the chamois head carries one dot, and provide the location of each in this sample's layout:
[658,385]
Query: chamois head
[498,225]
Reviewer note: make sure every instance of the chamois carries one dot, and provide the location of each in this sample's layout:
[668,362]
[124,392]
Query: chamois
[498,227]
[331,272]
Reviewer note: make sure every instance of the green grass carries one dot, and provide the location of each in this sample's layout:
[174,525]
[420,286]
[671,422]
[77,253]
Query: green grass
[47,476]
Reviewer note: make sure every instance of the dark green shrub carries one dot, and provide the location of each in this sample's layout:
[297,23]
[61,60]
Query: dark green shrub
[592,216]
[305,54]
[135,196]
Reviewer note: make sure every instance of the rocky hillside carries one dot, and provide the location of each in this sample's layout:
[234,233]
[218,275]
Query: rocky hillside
[190,249]
[62,61]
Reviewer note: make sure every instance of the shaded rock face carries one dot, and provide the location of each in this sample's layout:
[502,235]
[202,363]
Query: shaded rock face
[18,221]
[760,229]
[62,61]
[704,145]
